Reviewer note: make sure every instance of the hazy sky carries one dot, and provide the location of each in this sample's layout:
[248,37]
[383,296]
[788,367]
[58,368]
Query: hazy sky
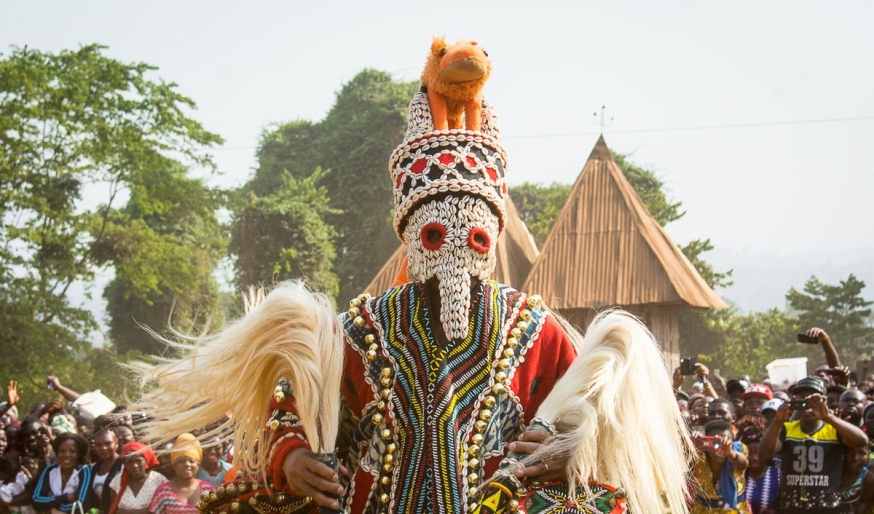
[771,189]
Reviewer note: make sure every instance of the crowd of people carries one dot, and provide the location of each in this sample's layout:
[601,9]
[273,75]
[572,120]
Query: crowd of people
[768,451]
[762,450]
[53,460]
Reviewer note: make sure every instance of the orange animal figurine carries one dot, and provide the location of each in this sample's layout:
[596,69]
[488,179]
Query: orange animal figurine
[454,76]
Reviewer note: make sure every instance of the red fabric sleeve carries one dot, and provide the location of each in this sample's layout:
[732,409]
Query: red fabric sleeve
[545,362]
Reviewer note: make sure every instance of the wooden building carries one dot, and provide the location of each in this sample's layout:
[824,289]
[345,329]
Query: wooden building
[516,253]
[607,250]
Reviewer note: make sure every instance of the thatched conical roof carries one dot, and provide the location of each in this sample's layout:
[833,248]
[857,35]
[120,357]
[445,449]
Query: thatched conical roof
[607,249]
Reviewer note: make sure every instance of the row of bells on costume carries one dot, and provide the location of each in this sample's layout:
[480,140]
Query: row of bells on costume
[245,496]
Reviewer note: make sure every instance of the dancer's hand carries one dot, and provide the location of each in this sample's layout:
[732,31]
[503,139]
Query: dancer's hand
[309,477]
[547,471]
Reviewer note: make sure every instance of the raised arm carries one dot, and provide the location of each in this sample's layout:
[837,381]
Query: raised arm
[67,393]
[771,444]
[702,372]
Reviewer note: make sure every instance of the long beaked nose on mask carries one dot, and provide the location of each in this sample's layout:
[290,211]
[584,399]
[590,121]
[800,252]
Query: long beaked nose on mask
[453,239]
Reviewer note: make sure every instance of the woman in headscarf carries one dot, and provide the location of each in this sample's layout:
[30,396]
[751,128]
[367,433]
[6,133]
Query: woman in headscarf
[180,495]
[132,490]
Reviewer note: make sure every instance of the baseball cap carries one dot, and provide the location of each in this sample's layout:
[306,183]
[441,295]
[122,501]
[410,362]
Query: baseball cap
[760,390]
[809,384]
[735,385]
[835,388]
[772,405]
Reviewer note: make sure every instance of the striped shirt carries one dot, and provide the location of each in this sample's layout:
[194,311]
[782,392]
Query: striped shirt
[762,492]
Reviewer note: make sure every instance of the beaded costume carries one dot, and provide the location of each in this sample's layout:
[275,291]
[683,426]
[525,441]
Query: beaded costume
[430,403]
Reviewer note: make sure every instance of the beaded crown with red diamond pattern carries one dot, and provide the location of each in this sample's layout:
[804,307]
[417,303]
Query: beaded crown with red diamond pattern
[432,162]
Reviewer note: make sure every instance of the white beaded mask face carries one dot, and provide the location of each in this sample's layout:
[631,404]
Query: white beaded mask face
[453,239]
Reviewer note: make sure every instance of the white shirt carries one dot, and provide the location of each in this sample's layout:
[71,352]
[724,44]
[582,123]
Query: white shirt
[130,501]
[56,485]
[98,483]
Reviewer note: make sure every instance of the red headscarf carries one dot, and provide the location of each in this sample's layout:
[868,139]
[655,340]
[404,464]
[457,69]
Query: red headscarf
[126,451]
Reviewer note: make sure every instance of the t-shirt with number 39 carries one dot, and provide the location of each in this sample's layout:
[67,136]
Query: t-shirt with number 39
[812,465]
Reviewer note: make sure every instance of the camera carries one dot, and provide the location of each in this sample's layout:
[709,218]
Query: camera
[707,443]
[799,404]
[687,365]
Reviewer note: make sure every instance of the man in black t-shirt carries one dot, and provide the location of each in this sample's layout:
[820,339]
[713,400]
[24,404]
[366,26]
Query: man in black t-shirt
[812,451]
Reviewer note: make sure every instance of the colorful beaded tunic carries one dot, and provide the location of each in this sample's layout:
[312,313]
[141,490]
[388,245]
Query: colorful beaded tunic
[427,423]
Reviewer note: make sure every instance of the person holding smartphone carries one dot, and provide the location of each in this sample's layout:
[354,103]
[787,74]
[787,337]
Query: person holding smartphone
[720,473]
[812,449]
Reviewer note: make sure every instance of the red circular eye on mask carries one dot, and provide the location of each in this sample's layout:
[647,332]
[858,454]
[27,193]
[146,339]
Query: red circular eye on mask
[433,234]
[479,240]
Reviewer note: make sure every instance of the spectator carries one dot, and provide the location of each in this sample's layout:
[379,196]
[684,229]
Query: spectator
[106,468]
[12,480]
[720,408]
[850,406]
[36,440]
[812,450]
[698,405]
[68,482]
[4,442]
[132,491]
[857,482]
[833,396]
[180,495]
[12,434]
[123,416]
[769,411]
[754,398]
[734,389]
[125,434]
[781,395]
[213,468]
[763,477]
[165,466]
[720,474]
[61,424]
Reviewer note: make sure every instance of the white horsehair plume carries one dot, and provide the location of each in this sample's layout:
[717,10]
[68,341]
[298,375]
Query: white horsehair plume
[291,332]
[617,419]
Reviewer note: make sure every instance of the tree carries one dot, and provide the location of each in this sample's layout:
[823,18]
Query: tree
[838,309]
[366,123]
[165,244]
[284,235]
[71,121]
[740,343]
[539,206]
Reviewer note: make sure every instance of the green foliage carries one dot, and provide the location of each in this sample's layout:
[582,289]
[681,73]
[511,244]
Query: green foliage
[838,309]
[165,244]
[283,235]
[714,278]
[68,121]
[539,206]
[651,189]
[366,123]
[745,343]
[742,343]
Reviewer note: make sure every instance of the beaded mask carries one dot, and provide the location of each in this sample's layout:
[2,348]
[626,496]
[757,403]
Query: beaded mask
[452,238]
[431,163]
